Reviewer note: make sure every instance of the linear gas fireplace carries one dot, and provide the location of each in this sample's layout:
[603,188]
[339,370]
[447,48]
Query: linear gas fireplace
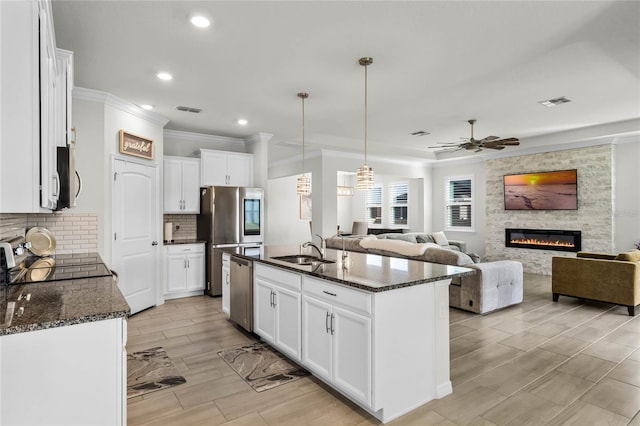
[544,239]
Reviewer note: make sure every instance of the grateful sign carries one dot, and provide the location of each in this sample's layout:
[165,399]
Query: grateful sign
[138,146]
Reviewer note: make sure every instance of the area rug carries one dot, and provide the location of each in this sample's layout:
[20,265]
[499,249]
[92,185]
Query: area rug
[261,366]
[149,371]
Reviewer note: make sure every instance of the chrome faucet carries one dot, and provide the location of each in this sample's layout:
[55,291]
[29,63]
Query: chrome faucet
[321,249]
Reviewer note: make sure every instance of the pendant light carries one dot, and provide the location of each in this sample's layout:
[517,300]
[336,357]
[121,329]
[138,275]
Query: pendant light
[303,185]
[364,177]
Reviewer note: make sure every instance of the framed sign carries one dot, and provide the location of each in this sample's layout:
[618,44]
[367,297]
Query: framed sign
[138,146]
[305,206]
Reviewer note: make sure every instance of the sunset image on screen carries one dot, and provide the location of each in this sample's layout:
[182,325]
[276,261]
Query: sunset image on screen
[541,191]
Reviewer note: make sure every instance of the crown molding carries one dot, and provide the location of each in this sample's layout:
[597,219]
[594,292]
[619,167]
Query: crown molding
[118,103]
[200,137]
[258,137]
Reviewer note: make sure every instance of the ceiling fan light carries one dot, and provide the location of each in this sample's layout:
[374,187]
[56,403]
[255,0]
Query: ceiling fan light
[303,185]
[364,177]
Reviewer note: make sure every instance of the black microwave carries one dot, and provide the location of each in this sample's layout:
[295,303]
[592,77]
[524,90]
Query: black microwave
[70,183]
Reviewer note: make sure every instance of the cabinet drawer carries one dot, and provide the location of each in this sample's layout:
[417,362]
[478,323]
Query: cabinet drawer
[338,295]
[278,276]
[185,248]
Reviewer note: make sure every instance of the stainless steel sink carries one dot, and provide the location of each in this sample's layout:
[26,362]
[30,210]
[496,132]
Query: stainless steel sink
[303,259]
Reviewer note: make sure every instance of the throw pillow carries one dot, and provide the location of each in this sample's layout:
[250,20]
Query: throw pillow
[410,238]
[367,242]
[424,238]
[631,256]
[440,238]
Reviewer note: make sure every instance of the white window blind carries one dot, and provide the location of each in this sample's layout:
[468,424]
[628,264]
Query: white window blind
[398,204]
[374,206]
[459,203]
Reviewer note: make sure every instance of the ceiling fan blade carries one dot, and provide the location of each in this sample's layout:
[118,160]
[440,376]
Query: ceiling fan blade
[508,140]
[498,147]
[511,143]
[489,138]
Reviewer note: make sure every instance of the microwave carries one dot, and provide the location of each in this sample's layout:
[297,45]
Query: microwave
[70,183]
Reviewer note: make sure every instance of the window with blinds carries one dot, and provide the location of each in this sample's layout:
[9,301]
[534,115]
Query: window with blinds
[374,206]
[459,203]
[398,204]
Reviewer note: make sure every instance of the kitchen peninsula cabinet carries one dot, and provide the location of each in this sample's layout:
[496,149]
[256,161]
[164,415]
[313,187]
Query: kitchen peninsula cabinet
[225,168]
[181,185]
[29,105]
[337,336]
[185,270]
[277,309]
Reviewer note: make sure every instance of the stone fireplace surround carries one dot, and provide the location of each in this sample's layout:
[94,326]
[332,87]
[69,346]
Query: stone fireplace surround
[594,216]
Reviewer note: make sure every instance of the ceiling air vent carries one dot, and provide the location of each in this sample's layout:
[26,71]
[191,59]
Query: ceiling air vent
[189,109]
[420,133]
[553,102]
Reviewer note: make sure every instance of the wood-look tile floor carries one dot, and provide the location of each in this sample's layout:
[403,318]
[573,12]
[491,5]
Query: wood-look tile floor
[536,363]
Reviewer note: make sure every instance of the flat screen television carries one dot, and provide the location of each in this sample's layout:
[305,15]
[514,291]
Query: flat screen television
[556,190]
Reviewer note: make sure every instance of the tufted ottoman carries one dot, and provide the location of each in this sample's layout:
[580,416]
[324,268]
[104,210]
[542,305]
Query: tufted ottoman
[495,285]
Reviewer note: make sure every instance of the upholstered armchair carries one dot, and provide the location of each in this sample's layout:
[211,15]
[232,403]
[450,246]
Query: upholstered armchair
[598,276]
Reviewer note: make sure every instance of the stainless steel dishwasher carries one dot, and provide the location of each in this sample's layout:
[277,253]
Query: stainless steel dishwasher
[241,292]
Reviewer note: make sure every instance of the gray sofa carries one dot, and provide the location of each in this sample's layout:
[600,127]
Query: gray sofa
[495,285]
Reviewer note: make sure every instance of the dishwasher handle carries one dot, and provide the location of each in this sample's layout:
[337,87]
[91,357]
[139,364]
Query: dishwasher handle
[241,262]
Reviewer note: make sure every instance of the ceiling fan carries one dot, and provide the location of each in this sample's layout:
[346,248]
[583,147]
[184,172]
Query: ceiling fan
[477,145]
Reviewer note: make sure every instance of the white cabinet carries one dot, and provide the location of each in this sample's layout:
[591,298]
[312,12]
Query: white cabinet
[71,375]
[28,83]
[277,309]
[336,343]
[225,168]
[181,185]
[184,274]
[226,282]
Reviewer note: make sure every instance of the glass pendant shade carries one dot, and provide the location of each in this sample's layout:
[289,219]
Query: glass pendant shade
[364,177]
[303,185]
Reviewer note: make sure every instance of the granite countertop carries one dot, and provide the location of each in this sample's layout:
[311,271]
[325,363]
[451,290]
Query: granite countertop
[369,272]
[176,242]
[60,303]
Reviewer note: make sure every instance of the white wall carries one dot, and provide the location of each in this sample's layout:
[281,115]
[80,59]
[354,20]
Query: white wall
[627,196]
[284,225]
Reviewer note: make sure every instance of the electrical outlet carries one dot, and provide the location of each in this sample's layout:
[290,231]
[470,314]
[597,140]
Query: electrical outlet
[177,226]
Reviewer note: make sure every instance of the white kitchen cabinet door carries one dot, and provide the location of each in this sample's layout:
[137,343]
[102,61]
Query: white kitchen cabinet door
[181,185]
[213,168]
[240,170]
[264,321]
[222,168]
[176,275]
[191,186]
[352,353]
[195,272]
[288,322]
[316,336]
[172,186]
[225,285]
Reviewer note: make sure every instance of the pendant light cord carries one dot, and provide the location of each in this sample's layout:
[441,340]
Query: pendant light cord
[365,114]
[302,97]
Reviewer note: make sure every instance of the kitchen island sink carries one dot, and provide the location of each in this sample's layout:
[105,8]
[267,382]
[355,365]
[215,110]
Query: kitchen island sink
[303,259]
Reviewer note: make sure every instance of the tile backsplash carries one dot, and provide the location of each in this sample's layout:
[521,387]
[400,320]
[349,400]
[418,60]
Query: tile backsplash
[184,226]
[74,232]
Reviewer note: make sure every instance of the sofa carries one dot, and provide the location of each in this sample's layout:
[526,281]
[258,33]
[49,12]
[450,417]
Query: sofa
[610,278]
[494,285]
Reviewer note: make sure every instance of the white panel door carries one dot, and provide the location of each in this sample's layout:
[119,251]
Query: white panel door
[172,186]
[264,319]
[316,336]
[288,319]
[135,232]
[195,271]
[213,169]
[240,170]
[191,186]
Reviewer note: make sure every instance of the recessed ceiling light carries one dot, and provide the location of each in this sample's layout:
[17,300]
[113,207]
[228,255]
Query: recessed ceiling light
[242,122]
[200,21]
[164,76]
[146,106]
[553,102]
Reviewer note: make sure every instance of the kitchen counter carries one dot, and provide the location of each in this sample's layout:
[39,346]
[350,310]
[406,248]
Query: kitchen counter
[177,242]
[368,272]
[61,303]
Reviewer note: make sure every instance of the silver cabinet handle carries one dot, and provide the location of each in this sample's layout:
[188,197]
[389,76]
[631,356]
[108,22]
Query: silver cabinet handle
[333,330]
[274,299]
[188,263]
[330,294]
[326,322]
[154,243]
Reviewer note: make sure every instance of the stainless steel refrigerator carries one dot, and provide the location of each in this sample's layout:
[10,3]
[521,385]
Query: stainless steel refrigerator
[229,217]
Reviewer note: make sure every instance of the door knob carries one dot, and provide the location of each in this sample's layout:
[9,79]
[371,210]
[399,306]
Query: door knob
[155,243]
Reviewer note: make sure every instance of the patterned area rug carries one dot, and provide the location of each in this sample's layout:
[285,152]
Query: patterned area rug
[149,371]
[261,366]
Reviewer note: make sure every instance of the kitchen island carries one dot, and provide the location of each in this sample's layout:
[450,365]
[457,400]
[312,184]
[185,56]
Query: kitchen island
[375,328]
[62,353]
